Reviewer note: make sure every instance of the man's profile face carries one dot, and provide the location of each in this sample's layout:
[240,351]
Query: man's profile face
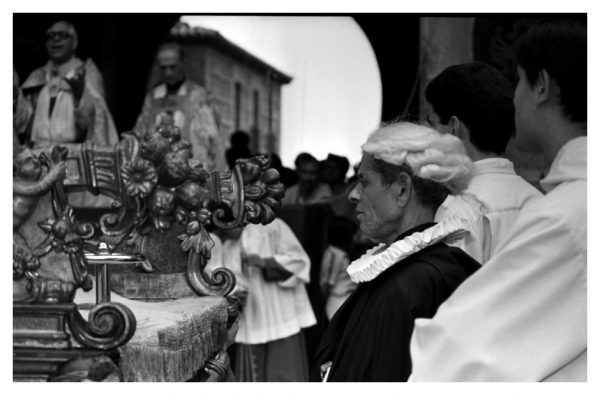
[169,64]
[60,42]
[376,208]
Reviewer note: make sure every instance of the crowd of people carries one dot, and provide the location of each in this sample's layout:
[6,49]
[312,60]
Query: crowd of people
[439,262]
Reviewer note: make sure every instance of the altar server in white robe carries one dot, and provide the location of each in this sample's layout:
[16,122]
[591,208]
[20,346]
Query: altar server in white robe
[271,269]
[523,315]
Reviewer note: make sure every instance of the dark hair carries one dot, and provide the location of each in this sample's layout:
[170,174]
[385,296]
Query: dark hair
[430,193]
[481,97]
[340,231]
[239,138]
[304,157]
[560,48]
[341,161]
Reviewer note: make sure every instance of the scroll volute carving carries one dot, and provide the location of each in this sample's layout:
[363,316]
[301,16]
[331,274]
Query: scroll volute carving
[49,245]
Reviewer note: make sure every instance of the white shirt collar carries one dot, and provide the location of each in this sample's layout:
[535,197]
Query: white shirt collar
[493,165]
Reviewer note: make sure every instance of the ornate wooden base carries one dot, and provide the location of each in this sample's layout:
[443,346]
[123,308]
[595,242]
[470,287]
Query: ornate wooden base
[35,364]
[45,337]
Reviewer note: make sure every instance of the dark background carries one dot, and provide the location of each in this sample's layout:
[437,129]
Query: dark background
[123,47]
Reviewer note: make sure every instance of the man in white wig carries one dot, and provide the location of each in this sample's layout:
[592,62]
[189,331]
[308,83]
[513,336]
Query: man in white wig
[406,172]
[523,316]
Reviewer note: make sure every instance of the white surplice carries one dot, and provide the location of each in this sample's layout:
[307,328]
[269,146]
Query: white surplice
[523,315]
[492,202]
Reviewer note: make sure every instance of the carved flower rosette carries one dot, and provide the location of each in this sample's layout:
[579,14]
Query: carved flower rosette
[177,190]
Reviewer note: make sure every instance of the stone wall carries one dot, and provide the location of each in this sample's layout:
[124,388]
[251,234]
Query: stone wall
[444,42]
[221,75]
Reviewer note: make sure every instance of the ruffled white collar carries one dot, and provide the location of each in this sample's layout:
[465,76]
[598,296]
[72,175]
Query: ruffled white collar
[379,258]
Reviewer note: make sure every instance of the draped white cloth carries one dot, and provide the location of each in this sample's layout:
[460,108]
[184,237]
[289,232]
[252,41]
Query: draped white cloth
[274,309]
[491,203]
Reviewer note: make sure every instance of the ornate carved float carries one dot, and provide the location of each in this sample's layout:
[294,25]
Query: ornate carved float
[155,187]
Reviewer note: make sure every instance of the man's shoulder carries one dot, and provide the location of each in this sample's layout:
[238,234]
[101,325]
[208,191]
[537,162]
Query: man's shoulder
[35,79]
[569,198]
[557,217]
[195,89]
[464,206]
[503,191]
[424,266]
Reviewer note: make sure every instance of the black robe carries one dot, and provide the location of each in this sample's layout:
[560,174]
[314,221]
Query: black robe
[368,339]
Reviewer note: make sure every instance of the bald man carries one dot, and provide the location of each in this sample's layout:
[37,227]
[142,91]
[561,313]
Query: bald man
[178,100]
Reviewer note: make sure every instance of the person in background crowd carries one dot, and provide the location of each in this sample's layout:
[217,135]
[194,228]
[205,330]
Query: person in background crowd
[67,95]
[308,190]
[287,176]
[181,102]
[406,172]
[335,283]
[523,316]
[271,269]
[333,172]
[240,141]
[473,101]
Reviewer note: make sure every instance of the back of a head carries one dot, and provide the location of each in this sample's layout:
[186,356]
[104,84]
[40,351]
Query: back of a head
[239,139]
[560,48]
[481,97]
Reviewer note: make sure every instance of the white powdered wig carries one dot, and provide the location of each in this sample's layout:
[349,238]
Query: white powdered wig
[441,158]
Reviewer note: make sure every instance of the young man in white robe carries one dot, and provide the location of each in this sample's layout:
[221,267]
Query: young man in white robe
[473,101]
[523,316]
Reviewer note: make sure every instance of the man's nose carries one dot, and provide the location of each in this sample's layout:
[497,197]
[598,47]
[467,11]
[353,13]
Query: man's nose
[354,196]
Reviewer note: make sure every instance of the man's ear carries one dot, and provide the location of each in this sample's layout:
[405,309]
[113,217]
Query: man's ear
[542,87]
[404,188]
[458,128]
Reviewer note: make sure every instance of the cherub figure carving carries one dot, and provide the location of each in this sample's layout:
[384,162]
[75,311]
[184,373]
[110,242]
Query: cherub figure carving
[28,185]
